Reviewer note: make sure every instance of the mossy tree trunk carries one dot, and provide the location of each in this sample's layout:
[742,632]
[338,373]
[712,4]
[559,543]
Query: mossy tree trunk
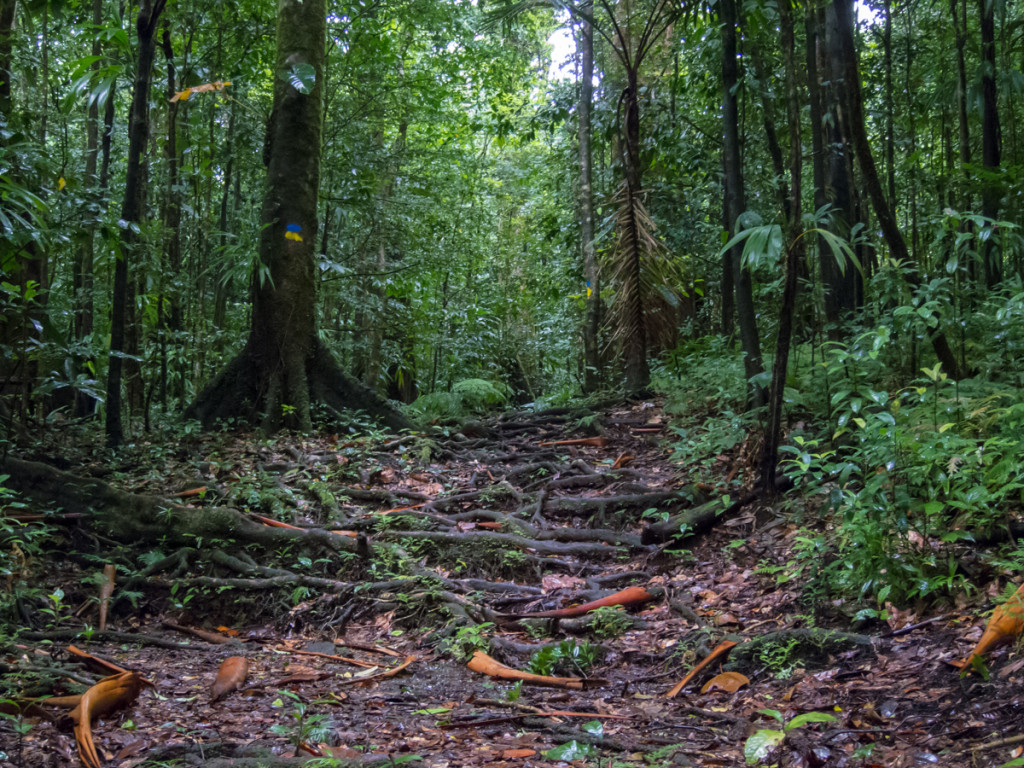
[283,367]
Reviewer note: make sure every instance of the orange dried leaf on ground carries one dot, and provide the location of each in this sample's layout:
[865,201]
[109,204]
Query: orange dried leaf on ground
[485,665]
[730,682]
[512,754]
[628,596]
[720,652]
[189,492]
[1003,628]
[622,460]
[230,677]
[107,695]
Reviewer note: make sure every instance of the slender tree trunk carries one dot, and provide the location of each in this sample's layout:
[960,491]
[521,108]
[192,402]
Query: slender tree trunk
[169,309]
[771,134]
[131,210]
[990,140]
[224,283]
[890,108]
[735,204]
[794,254]
[7,9]
[592,312]
[886,220]
[84,254]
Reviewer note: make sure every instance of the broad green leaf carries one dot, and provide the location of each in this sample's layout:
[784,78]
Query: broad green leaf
[810,717]
[761,744]
[301,77]
[573,750]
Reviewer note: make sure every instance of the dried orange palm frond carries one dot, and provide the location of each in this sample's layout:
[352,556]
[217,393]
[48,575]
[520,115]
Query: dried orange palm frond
[107,695]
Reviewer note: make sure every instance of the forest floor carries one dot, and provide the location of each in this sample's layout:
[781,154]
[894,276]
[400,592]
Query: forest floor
[485,523]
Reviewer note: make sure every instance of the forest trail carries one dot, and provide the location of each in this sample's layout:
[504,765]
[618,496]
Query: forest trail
[362,656]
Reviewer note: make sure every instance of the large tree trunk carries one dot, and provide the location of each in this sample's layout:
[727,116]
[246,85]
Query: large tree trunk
[735,204]
[131,210]
[284,367]
[862,149]
[840,281]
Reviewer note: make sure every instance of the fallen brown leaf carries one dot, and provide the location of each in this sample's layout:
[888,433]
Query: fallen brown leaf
[730,682]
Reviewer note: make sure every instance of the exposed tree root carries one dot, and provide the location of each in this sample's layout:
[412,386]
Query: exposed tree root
[804,646]
[240,390]
[700,519]
[475,538]
[134,517]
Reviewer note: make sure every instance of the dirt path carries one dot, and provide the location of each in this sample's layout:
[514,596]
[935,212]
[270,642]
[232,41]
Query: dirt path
[460,532]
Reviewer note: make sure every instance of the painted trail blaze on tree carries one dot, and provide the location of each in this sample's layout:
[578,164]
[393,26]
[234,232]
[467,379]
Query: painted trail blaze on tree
[284,367]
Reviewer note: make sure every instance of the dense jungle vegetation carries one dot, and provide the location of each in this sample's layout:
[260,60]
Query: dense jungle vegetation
[796,226]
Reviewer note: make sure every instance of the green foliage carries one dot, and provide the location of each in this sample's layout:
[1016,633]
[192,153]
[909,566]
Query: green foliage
[468,396]
[300,726]
[766,740]
[21,545]
[609,622]
[567,657]
[469,640]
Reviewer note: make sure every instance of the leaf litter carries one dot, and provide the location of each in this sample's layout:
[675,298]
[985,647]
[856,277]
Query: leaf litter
[554,523]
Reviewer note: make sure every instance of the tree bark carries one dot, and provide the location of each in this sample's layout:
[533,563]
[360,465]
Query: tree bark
[284,367]
[131,210]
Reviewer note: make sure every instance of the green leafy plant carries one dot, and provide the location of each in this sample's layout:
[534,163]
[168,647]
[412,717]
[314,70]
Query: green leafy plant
[300,726]
[21,728]
[609,622]
[766,740]
[469,640]
[778,658]
[567,656]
